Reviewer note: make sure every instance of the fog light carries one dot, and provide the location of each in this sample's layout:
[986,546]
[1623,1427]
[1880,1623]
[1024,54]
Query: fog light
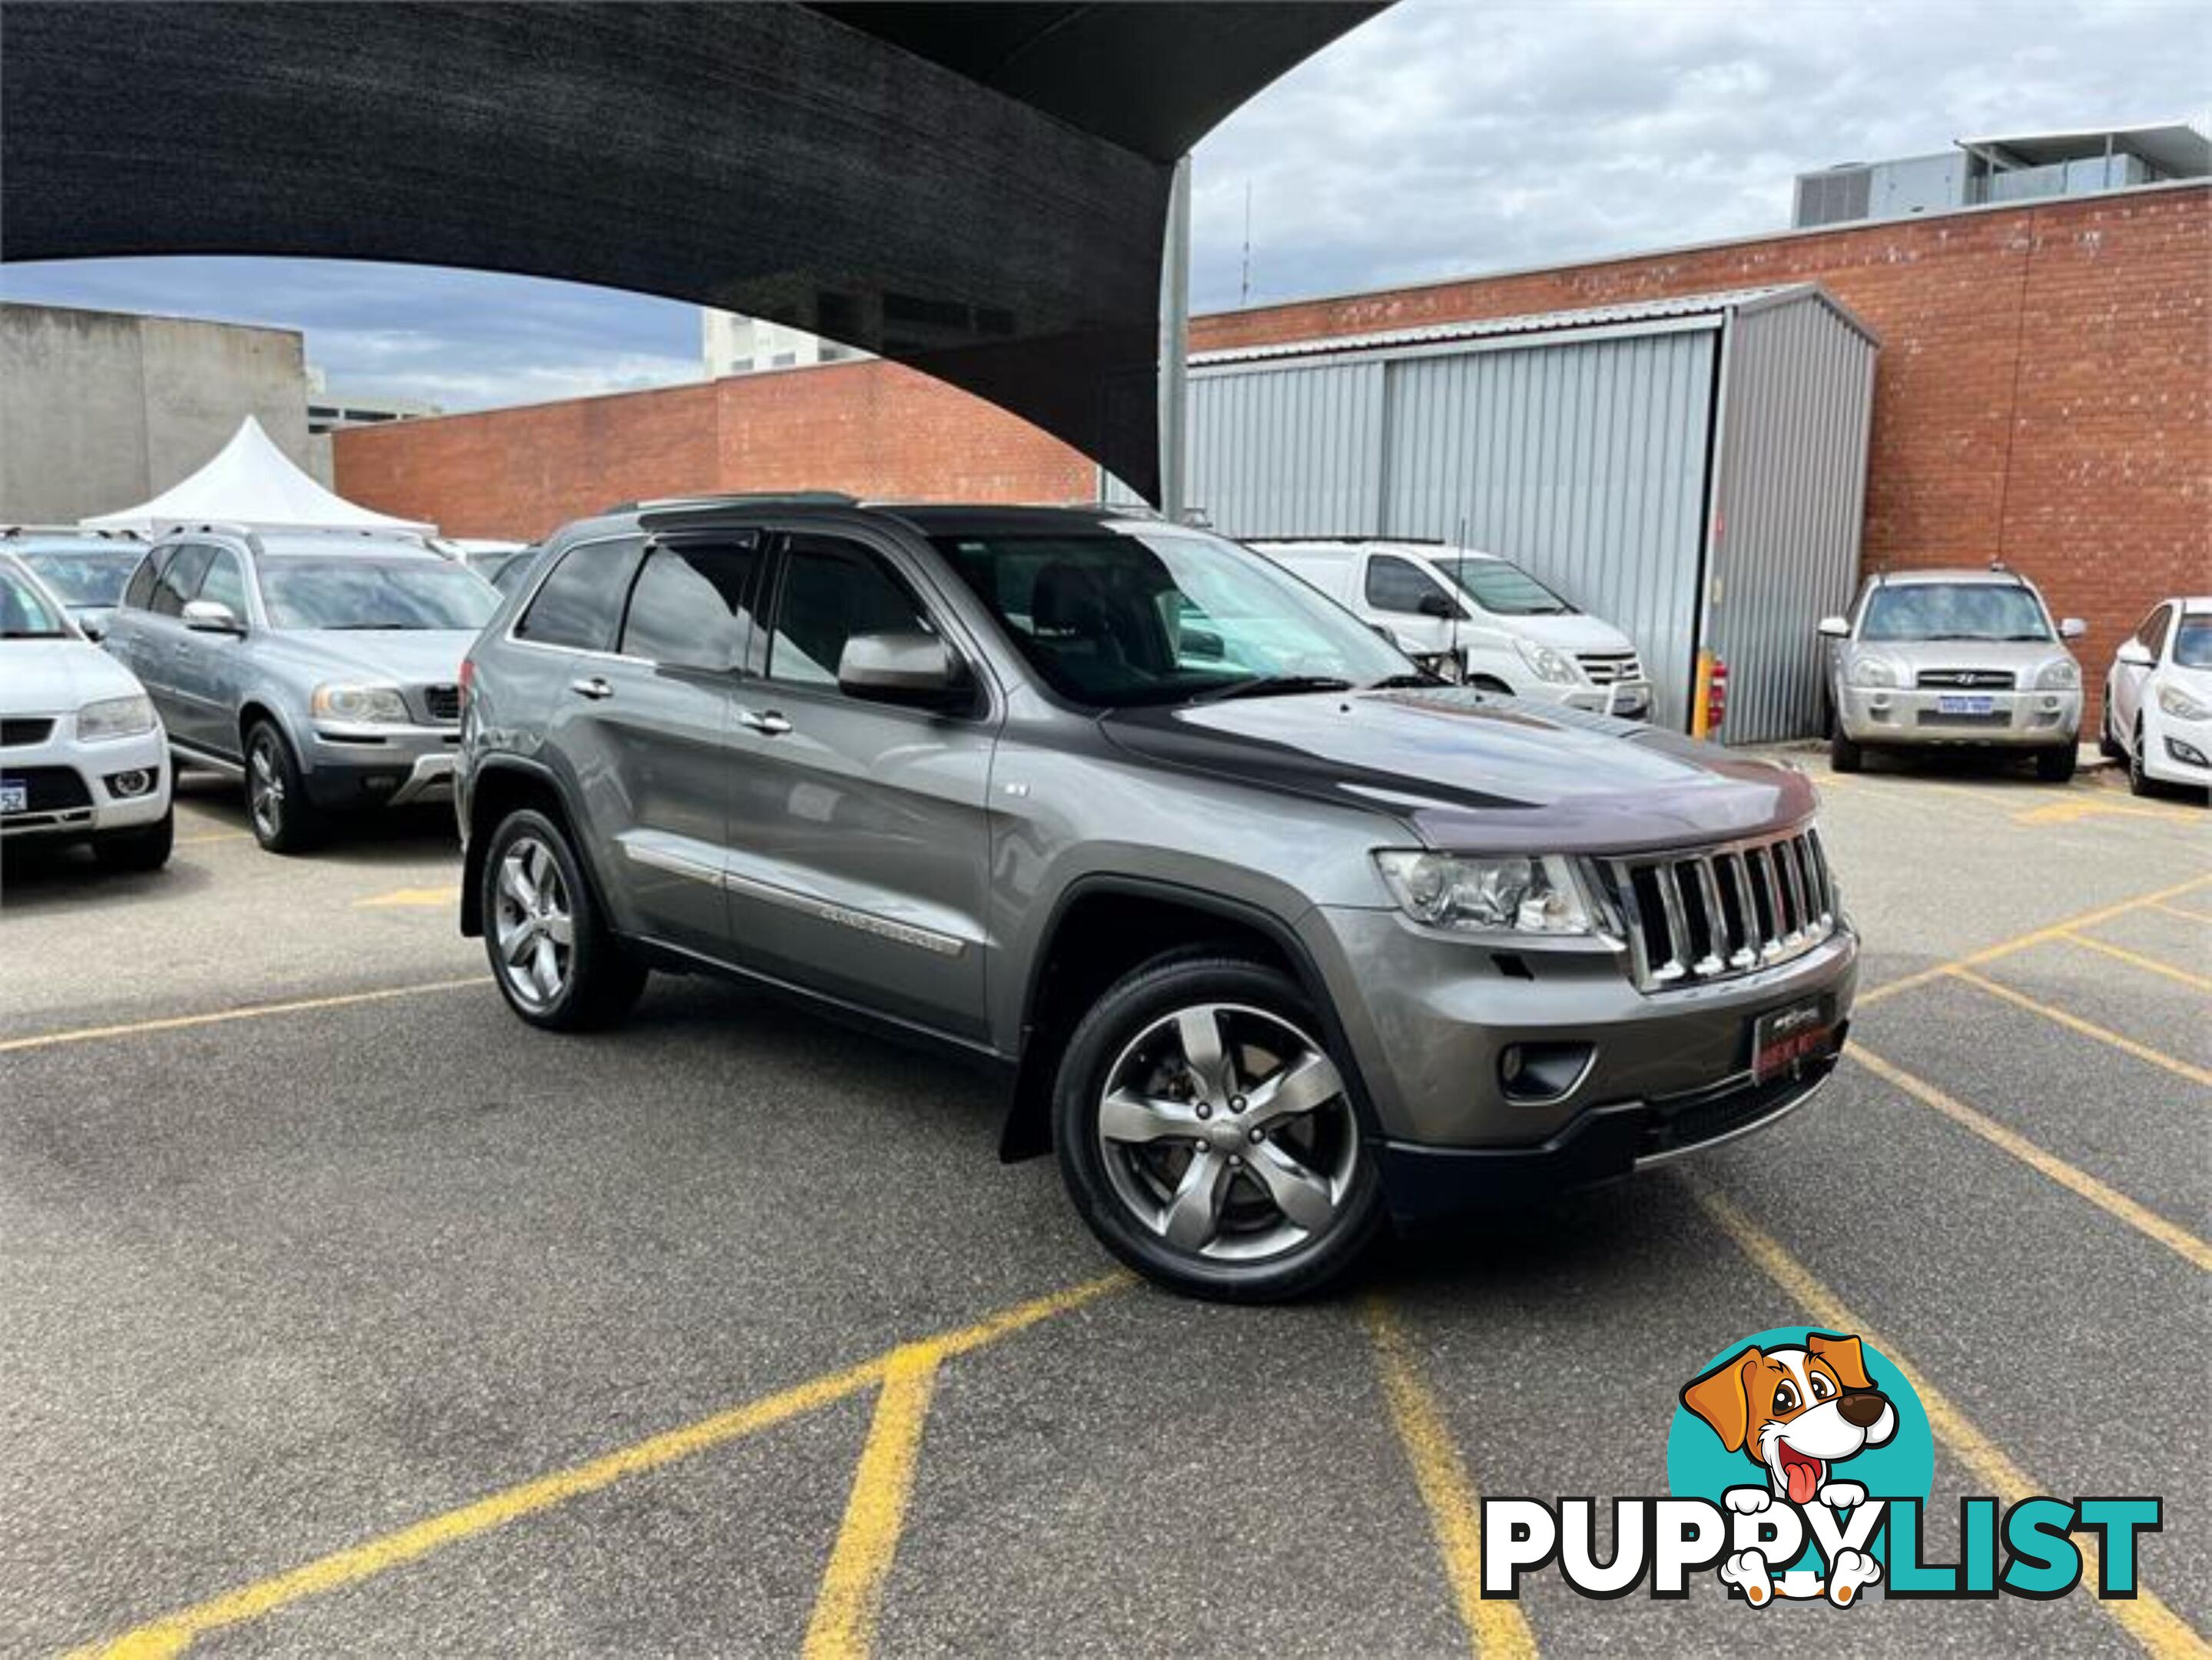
[2188,754]
[125,785]
[1543,1072]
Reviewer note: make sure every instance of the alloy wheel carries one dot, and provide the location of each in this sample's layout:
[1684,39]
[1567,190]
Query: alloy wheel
[1226,1132]
[533,924]
[264,789]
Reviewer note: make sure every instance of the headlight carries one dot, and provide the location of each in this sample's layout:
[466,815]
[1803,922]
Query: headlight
[1548,663]
[2180,705]
[1514,895]
[1874,672]
[114,717]
[2064,675]
[380,705]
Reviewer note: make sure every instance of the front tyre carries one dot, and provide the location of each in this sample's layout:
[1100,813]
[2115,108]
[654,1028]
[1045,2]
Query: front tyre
[141,847]
[2055,766]
[1844,755]
[2139,781]
[1206,1136]
[284,820]
[556,963]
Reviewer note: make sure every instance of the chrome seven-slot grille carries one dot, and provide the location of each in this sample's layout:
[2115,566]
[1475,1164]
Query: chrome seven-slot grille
[1722,911]
[1606,667]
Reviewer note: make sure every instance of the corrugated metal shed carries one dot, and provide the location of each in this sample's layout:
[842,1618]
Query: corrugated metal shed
[1691,469]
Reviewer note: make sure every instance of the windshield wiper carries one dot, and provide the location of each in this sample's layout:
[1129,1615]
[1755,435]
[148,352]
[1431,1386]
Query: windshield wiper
[1401,682]
[356,628]
[1273,685]
[34,634]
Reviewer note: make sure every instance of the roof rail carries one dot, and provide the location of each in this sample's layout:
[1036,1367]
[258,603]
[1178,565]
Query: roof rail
[717,498]
[118,533]
[1349,541]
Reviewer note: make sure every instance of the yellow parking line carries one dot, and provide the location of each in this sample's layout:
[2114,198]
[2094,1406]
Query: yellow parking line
[174,1633]
[845,1609]
[213,836]
[250,1012]
[2185,1245]
[2035,937]
[2087,1029]
[2144,1617]
[410,897]
[2135,958]
[1493,1628]
[2176,910]
[2067,812]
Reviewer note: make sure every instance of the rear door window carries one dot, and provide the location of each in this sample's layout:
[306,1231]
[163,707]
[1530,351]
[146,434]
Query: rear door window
[139,594]
[692,605]
[580,605]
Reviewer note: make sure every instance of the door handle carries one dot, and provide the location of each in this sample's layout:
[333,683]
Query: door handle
[593,686]
[768,722]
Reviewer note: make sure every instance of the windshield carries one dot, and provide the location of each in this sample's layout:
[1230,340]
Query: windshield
[1160,617]
[90,577]
[357,593]
[25,613]
[1953,610]
[1504,589]
[2193,645]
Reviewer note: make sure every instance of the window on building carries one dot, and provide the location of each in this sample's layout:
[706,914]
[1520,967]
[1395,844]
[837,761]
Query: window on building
[580,604]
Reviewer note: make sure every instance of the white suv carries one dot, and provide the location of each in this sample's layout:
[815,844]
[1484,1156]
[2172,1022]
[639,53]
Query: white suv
[1478,618]
[83,754]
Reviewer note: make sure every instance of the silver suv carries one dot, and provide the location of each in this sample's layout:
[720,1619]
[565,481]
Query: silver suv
[322,668]
[1958,658]
[1273,938]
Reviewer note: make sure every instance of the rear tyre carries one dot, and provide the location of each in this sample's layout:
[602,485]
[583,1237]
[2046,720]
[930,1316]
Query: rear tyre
[1206,1136]
[1844,755]
[2055,766]
[143,847]
[277,806]
[556,963]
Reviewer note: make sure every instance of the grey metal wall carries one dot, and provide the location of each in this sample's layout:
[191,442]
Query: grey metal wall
[1583,460]
[1797,398]
[1295,450]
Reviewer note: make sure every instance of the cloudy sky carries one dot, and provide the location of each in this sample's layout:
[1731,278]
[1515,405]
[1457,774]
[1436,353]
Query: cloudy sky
[1445,136]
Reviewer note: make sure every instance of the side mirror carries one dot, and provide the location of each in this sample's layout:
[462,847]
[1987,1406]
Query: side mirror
[2072,628]
[1388,634]
[902,668]
[211,617]
[1836,628]
[2136,654]
[1437,605]
[94,629]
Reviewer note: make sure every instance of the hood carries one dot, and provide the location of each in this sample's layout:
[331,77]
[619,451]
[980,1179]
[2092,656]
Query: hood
[1571,635]
[2022,657]
[398,657]
[56,677]
[1473,773]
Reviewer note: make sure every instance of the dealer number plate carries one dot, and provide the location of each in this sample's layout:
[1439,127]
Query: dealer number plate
[1955,704]
[15,798]
[1782,1037]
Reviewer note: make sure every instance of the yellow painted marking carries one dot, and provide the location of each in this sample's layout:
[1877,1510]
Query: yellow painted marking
[2036,937]
[2087,1029]
[2137,959]
[845,1608]
[2158,1628]
[2176,910]
[1494,1628]
[2150,1223]
[213,835]
[2069,812]
[411,897]
[174,1633]
[252,1012]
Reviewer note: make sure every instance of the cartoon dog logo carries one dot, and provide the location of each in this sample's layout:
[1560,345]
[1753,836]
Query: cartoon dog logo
[1796,1414]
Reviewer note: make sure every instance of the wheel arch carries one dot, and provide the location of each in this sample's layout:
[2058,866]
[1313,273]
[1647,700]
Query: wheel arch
[1103,925]
[499,786]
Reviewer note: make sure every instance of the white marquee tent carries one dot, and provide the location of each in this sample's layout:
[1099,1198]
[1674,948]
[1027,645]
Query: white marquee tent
[252,482]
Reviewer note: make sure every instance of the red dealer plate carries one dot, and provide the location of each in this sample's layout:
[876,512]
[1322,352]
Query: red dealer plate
[1782,1037]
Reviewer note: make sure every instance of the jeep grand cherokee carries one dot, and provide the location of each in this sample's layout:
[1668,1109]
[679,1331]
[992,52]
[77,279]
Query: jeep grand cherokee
[1276,939]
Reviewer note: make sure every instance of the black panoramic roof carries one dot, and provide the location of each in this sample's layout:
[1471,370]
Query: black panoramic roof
[977,190]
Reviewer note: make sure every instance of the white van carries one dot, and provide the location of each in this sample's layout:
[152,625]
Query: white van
[1476,617]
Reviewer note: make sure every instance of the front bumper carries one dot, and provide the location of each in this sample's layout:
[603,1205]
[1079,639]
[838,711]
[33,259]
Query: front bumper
[76,793]
[2168,742]
[1914,716]
[1625,700]
[1429,1020]
[353,766]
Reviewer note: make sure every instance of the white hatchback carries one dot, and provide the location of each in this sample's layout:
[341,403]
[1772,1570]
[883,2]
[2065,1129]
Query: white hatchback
[2158,698]
[83,754]
[1476,617]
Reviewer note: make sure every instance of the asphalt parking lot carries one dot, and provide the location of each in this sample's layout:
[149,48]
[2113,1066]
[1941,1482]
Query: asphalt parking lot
[339,1312]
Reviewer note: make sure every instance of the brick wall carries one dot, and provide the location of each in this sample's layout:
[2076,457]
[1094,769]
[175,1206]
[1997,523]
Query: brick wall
[2041,398]
[874,428]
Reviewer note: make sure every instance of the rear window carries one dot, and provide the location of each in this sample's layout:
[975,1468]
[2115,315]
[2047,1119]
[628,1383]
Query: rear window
[580,606]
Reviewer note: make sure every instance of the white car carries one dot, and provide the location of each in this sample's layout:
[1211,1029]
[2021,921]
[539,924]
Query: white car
[83,754]
[2158,698]
[1476,617]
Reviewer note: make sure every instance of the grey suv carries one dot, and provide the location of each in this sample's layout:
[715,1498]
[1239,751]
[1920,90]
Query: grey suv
[322,668]
[1273,938]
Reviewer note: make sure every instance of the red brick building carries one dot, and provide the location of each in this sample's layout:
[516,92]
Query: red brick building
[2043,396]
